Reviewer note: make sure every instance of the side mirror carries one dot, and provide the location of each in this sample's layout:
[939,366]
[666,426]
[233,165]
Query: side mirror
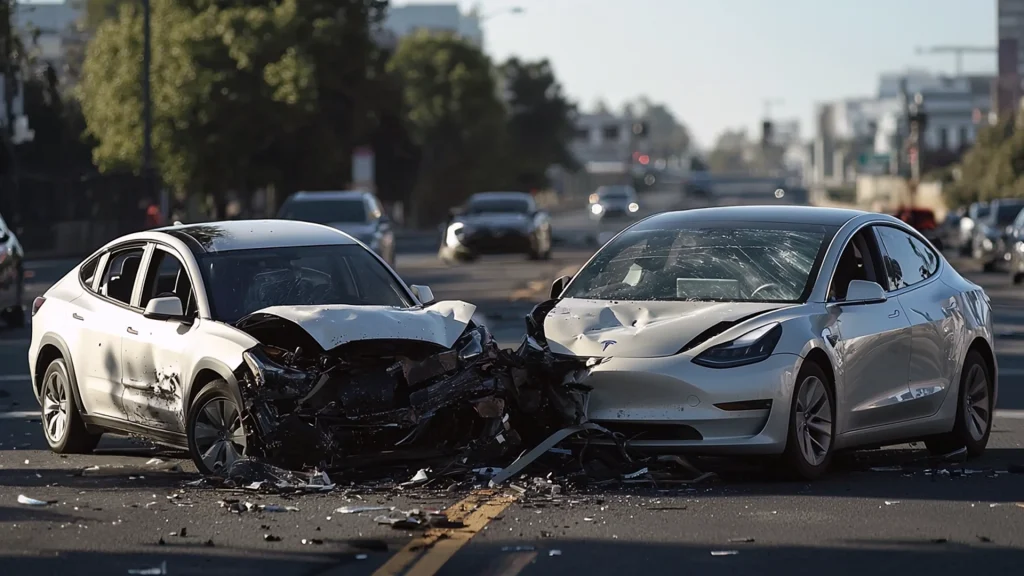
[422,293]
[558,286]
[384,219]
[863,292]
[166,308]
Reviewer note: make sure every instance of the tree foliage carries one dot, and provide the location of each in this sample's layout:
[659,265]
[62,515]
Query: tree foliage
[455,116]
[540,122]
[992,168]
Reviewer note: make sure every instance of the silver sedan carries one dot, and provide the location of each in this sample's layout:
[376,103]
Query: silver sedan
[771,330]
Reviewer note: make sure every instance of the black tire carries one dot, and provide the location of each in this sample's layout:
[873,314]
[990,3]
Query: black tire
[212,393]
[1016,277]
[795,463]
[989,266]
[74,438]
[962,436]
[14,317]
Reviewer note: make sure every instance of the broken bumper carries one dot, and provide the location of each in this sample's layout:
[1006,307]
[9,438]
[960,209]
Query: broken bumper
[673,403]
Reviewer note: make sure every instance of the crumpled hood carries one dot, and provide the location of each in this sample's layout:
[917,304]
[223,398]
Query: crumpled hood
[599,328]
[331,326]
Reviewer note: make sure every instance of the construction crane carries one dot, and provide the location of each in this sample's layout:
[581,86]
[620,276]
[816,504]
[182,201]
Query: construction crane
[958,52]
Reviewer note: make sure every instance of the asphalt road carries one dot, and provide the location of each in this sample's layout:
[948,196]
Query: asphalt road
[121,517]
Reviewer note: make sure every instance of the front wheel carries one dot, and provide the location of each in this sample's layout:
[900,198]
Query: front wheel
[216,436]
[973,414]
[809,445]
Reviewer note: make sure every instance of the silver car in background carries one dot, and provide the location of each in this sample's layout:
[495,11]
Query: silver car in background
[772,330]
[355,212]
[613,202]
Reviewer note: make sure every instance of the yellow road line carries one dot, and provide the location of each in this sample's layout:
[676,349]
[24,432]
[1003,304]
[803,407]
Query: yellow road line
[426,554]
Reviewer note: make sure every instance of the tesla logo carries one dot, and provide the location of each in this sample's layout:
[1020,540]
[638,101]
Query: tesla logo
[606,343]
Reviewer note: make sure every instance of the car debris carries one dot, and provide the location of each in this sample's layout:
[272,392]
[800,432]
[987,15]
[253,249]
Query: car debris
[318,408]
[22,499]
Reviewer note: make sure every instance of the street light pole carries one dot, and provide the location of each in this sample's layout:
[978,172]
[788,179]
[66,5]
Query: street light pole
[147,103]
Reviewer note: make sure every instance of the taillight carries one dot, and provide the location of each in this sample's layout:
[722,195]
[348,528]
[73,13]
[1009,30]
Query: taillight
[37,304]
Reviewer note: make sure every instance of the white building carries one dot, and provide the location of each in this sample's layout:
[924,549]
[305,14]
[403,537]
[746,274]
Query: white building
[405,20]
[602,140]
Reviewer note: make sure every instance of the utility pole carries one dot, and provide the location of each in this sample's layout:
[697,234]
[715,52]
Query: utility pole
[915,150]
[147,106]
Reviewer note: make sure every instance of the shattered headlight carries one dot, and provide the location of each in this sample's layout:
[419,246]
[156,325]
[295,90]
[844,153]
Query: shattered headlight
[752,347]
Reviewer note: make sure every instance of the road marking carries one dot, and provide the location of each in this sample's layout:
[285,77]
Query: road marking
[425,555]
[19,414]
[14,378]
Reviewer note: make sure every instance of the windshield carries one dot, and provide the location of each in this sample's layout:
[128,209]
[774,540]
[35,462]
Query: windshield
[243,281]
[615,193]
[1007,213]
[498,205]
[762,263]
[325,211]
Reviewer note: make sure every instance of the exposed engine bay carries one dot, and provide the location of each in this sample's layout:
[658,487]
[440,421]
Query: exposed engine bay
[386,399]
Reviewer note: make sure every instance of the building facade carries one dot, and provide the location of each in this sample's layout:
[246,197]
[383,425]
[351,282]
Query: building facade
[1010,66]
[405,20]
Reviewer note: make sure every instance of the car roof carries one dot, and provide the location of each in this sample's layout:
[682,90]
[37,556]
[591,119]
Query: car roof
[329,195]
[755,213]
[212,237]
[499,196]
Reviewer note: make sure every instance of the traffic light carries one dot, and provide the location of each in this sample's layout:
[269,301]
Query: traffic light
[640,129]
[766,132]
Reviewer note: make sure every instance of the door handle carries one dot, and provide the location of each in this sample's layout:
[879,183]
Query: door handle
[894,314]
[76,316]
[133,331]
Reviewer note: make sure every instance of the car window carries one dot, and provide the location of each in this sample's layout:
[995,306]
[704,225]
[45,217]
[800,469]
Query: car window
[241,282]
[167,276]
[498,205]
[1019,221]
[87,273]
[120,274]
[907,260]
[1007,213]
[326,211]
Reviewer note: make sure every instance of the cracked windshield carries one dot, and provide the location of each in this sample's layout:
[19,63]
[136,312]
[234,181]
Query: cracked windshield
[511,287]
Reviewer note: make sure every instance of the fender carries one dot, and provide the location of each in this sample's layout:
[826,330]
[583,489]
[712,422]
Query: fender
[214,365]
[54,340]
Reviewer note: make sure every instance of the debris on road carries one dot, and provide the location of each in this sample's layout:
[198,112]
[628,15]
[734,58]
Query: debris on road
[157,571]
[22,499]
[724,552]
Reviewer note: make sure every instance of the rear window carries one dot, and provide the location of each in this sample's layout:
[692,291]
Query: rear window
[325,211]
[502,205]
[617,193]
[1007,213]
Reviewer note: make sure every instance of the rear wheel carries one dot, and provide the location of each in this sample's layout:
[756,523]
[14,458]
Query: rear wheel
[63,427]
[1015,276]
[216,436]
[809,446]
[973,414]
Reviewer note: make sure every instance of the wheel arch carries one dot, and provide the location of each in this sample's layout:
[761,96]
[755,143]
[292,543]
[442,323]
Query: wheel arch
[820,358]
[207,370]
[52,347]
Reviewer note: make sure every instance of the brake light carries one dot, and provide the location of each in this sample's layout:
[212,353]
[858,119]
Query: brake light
[37,304]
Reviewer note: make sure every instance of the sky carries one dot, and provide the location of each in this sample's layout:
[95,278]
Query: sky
[716,62]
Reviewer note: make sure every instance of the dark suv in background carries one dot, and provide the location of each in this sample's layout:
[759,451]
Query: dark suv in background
[497,223]
[990,242]
[355,212]
[12,277]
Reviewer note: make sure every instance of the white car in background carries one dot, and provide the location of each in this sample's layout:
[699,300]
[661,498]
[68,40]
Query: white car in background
[147,335]
[774,330]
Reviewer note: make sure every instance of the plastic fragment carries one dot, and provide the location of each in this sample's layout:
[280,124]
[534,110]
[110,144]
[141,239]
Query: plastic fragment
[523,548]
[740,540]
[361,556]
[157,571]
[358,509]
[724,552]
[22,499]
[554,552]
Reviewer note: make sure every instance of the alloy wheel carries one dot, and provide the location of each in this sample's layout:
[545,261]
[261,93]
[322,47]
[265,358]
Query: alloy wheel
[55,408]
[977,406]
[813,421]
[219,436]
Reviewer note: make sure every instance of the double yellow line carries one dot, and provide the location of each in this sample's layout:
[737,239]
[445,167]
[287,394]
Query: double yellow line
[426,554]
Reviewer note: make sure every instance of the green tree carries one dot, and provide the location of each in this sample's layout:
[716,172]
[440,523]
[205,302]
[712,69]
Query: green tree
[540,123]
[730,153]
[454,115]
[245,94]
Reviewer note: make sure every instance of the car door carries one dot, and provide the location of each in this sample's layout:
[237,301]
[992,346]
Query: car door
[873,340]
[931,307]
[152,349]
[102,317]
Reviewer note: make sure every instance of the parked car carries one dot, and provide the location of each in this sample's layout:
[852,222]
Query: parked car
[609,202]
[991,239]
[949,228]
[12,277]
[497,223]
[151,333]
[777,330]
[922,220]
[1015,249]
[977,211]
[355,212]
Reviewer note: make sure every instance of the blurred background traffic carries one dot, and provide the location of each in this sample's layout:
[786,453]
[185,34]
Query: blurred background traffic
[389,120]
